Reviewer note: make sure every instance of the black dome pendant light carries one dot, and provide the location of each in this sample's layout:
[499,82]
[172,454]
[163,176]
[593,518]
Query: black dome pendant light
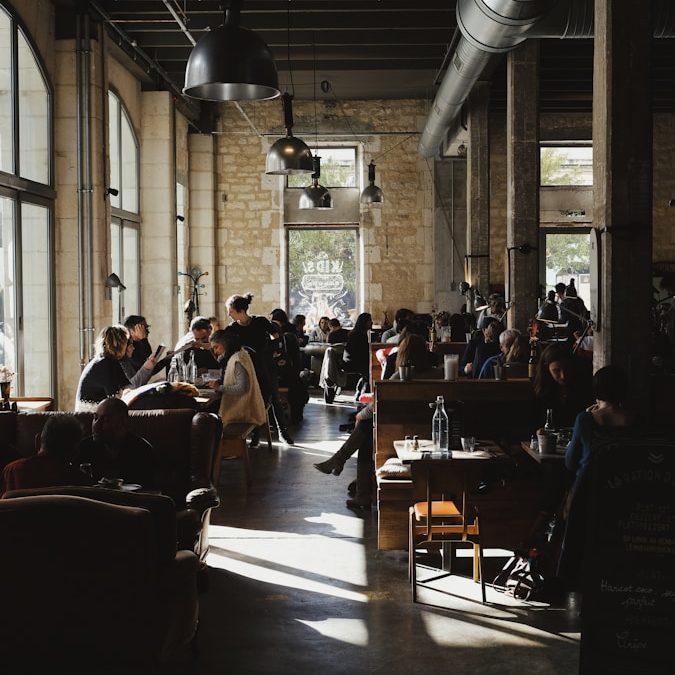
[289,155]
[231,63]
[316,196]
[372,194]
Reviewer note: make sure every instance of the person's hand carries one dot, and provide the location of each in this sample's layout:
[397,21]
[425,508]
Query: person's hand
[468,368]
[149,363]
[213,384]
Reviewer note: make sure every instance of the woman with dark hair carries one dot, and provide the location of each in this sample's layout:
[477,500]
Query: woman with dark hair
[357,350]
[562,383]
[240,397]
[255,333]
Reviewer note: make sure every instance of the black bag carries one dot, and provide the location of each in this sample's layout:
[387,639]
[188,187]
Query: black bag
[520,577]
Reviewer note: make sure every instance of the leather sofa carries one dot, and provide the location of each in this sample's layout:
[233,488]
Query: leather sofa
[91,586]
[184,446]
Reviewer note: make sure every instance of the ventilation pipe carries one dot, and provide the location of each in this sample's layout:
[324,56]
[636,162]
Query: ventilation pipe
[491,27]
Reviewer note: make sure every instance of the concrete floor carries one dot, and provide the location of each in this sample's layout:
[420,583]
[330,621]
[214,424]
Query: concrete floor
[297,584]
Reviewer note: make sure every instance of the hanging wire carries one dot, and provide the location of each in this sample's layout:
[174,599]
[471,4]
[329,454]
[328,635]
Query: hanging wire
[288,46]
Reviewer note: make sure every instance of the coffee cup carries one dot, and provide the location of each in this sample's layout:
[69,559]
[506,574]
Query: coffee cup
[547,443]
[405,373]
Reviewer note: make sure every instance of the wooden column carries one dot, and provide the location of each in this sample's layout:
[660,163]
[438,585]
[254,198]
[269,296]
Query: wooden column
[622,178]
[478,189]
[522,175]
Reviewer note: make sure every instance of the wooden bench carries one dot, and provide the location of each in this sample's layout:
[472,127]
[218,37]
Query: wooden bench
[497,410]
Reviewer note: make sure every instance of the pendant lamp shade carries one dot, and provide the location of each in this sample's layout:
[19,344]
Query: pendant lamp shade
[372,194]
[316,196]
[289,155]
[231,63]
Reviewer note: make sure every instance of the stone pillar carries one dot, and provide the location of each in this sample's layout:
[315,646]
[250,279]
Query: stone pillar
[203,221]
[478,189]
[522,174]
[622,173]
[158,213]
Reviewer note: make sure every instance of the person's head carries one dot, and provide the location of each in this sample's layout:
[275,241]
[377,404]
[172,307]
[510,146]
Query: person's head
[201,328]
[442,319]
[110,419]
[279,316]
[401,325]
[507,338]
[492,330]
[333,325]
[610,384]
[550,296]
[323,324]
[60,435]
[138,327]
[519,350]
[412,350]
[237,306]
[496,305]
[112,342]
[215,323]
[364,322]
[299,321]
[224,343]
[560,290]
[402,314]
[571,290]
[553,369]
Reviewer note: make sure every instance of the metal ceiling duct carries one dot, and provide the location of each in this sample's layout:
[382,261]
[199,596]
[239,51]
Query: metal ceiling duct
[490,27]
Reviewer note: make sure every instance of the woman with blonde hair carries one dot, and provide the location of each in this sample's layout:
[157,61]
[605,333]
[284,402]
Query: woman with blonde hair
[103,376]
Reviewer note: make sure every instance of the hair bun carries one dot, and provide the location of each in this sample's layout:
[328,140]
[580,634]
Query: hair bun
[249,296]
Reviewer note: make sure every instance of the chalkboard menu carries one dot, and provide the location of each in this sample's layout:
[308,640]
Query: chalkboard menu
[628,616]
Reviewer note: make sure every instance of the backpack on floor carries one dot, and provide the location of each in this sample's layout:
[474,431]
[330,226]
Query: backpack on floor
[520,577]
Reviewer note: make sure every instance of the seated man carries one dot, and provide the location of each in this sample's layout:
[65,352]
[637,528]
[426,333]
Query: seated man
[197,340]
[113,451]
[52,464]
[336,333]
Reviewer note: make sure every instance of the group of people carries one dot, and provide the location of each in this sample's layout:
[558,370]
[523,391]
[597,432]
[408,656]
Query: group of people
[564,306]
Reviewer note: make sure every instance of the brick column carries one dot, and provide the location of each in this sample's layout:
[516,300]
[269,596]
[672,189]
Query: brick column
[478,189]
[622,174]
[522,203]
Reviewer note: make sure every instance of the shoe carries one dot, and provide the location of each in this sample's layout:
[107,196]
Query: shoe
[326,467]
[254,441]
[357,504]
[351,488]
[285,437]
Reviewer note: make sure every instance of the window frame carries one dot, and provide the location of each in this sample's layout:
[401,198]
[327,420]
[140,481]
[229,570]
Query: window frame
[564,144]
[120,211]
[331,146]
[124,223]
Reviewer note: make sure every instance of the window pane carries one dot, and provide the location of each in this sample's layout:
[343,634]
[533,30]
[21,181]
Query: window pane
[129,168]
[7,310]
[568,256]
[130,270]
[33,117]
[338,169]
[114,143]
[181,252]
[6,149]
[566,166]
[323,274]
[115,236]
[36,295]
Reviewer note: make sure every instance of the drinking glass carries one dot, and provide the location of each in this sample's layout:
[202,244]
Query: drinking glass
[468,443]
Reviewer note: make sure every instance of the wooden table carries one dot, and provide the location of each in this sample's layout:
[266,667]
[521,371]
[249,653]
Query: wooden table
[540,457]
[484,450]
[33,404]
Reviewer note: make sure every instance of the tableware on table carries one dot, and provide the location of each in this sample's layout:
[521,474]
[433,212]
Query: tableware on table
[131,487]
[111,483]
[451,367]
[468,443]
[405,373]
[499,372]
[547,442]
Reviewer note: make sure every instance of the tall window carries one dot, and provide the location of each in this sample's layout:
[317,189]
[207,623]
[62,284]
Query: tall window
[26,208]
[124,228]
[566,165]
[338,169]
[323,273]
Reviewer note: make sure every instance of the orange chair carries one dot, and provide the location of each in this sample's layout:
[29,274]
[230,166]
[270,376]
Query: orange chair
[441,518]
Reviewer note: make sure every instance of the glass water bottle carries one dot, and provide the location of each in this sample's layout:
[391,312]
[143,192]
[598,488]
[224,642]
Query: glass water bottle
[440,428]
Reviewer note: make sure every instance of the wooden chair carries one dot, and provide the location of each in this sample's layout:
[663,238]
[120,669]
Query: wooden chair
[441,517]
[233,446]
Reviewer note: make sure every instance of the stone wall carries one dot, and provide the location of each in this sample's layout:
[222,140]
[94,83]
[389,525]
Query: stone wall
[663,216]
[397,237]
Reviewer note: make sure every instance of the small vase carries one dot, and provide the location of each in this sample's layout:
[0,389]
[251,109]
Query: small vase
[5,389]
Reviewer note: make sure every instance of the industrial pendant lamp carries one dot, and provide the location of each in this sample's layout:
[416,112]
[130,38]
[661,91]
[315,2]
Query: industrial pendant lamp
[372,194]
[289,155]
[316,196]
[231,63]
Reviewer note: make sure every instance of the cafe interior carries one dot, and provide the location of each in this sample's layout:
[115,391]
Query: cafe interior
[335,157]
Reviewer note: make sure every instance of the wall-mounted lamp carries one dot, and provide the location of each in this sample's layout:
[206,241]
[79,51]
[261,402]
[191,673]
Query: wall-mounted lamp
[112,191]
[180,219]
[113,281]
[671,202]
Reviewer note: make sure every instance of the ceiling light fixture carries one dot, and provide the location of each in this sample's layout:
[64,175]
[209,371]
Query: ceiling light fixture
[231,63]
[372,194]
[289,155]
[316,196]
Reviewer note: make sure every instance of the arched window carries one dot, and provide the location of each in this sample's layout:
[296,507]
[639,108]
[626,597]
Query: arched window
[124,226]
[26,213]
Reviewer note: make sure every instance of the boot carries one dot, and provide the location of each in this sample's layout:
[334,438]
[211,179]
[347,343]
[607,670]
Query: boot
[351,488]
[363,500]
[336,463]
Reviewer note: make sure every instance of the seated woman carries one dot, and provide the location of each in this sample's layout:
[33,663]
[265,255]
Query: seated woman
[239,392]
[412,350]
[485,348]
[513,347]
[320,331]
[137,377]
[103,376]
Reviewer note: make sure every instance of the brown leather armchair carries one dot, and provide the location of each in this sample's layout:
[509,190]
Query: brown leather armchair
[184,445]
[92,584]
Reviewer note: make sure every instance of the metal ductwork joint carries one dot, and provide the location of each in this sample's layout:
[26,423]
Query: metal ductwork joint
[488,27]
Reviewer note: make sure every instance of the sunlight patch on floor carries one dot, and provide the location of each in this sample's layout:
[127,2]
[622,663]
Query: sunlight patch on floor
[327,447]
[350,631]
[346,526]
